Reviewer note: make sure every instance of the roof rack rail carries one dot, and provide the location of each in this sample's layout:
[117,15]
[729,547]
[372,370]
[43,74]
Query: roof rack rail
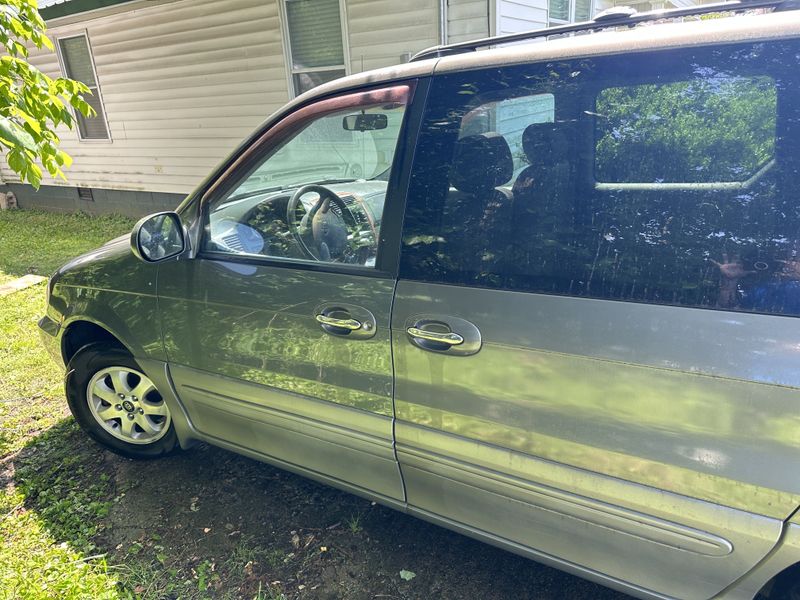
[619,16]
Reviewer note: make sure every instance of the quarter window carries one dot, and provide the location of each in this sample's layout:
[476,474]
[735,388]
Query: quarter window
[316,48]
[77,62]
[668,178]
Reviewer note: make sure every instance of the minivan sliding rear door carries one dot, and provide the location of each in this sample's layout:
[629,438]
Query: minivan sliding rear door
[595,331]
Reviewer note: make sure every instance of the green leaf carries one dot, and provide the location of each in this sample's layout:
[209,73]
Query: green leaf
[64,159]
[32,104]
[12,132]
[32,123]
[16,161]
[407,575]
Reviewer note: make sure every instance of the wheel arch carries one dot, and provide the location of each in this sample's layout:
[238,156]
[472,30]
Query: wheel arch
[81,331]
[783,586]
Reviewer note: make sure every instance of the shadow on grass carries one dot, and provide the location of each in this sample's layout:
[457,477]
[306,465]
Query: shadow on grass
[207,523]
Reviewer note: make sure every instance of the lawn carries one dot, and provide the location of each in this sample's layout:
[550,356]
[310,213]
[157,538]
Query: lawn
[78,522]
[33,563]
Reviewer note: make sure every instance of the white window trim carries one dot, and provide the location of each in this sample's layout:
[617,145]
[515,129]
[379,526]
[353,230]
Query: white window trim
[571,18]
[287,47]
[62,65]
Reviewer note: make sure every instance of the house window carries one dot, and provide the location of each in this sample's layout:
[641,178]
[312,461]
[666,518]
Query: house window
[569,11]
[315,44]
[77,63]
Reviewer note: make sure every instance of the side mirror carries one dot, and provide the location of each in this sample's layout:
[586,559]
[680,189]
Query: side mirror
[158,237]
[365,122]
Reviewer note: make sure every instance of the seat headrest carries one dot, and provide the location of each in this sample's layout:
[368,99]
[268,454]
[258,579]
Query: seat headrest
[545,143]
[481,162]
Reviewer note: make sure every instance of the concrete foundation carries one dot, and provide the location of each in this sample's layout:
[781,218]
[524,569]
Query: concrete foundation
[104,202]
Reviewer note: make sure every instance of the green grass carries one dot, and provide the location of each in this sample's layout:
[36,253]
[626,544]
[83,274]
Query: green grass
[33,563]
[30,384]
[39,242]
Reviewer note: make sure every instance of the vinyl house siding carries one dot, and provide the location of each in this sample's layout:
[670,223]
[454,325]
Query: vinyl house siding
[467,20]
[381,31]
[521,15]
[183,82]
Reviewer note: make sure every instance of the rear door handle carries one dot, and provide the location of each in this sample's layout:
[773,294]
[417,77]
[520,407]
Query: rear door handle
[450,339]
[443,334]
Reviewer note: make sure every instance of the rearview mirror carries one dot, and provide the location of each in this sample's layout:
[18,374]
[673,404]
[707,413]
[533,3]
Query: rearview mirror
[158,237]
[362,122]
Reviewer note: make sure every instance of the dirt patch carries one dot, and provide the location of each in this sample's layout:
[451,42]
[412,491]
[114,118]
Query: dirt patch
[207,523]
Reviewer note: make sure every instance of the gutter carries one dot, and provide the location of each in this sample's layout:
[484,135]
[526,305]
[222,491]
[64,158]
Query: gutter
[71,7]
[443,22]
[80,11]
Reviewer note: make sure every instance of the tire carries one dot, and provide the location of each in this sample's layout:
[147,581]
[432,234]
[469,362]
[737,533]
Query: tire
[114,414]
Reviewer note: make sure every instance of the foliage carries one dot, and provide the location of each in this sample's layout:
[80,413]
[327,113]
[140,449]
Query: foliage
[711,128]
[32,104]
[33,566]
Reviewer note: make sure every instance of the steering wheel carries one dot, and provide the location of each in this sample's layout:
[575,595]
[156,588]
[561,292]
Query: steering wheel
[329,228]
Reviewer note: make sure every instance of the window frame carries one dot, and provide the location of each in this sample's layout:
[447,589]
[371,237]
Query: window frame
[572,7]
[287,48]
[84,33]
[269,140]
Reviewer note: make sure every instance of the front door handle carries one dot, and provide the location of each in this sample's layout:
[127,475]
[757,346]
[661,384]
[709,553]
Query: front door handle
[443,334]
[350,324]
[450,339]
[346,320]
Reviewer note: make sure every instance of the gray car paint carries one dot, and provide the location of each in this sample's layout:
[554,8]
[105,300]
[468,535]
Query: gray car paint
[560,423]
[253,366]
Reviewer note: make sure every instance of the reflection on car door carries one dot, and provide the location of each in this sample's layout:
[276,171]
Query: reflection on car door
[250,324]
[550,389]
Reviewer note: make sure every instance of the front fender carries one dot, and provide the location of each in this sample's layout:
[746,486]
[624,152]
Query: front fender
[112,289]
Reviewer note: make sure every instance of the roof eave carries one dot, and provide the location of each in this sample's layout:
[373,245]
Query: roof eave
[73,7]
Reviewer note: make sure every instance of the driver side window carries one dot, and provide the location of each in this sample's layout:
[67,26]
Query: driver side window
[317,193]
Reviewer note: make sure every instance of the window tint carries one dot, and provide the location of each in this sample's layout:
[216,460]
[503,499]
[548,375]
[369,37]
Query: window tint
[668,177]
[509,117]
[319,194]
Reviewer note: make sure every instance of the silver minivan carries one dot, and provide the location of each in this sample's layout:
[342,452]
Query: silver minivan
[544,294]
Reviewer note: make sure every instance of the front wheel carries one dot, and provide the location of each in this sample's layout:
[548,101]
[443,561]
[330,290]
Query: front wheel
[117,404]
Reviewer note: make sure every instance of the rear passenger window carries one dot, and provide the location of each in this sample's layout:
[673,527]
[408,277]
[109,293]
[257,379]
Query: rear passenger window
[667,178]
[713,128]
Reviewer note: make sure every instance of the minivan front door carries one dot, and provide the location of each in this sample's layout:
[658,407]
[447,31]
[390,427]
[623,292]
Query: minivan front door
[595,328]
[277,333]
